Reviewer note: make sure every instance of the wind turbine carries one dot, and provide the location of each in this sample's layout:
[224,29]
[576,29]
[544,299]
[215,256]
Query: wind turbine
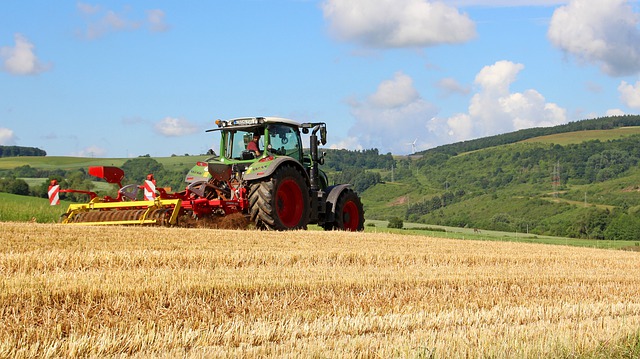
[413,145]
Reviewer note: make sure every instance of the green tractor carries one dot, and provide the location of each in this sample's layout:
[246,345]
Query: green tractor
[263,172]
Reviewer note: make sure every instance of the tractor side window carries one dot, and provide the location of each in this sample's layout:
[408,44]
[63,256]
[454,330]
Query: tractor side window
[284,140]
[237,143]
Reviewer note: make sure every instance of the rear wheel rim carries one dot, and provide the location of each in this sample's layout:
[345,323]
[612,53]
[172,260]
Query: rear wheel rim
[289,204]
[350,216]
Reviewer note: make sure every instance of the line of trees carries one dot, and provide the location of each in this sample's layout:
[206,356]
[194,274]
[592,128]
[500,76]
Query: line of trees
[136,170]
[415,210]
[15,151]
[367,159]
[358,177]
[603,123]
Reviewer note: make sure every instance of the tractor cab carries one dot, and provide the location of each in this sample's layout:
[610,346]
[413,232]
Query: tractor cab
[254,147]
[274,136]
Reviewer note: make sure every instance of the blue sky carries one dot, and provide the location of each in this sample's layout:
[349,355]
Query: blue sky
[128,78]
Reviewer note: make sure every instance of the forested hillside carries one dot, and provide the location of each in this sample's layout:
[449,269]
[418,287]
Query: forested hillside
[587,189]
[359,168]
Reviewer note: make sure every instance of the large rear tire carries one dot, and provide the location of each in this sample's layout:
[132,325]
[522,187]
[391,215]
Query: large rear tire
[280,202]
[349,214]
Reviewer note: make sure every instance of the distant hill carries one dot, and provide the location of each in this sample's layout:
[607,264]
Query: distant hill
[577,180]
[568,138]
[603,123]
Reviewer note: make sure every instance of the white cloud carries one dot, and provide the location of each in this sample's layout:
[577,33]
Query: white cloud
[460,126]
[100,21]
[494,109]
[601,32]
[397,23]
[630,94]
[351,143]
[7,137]
[450,86]
[21,59]
[391,118]
[593,87]
[156,21]
[395,93]
[88,9]
[396,114]
[505,3]
[175,127]
[615,112]
[498,77]
[91,151]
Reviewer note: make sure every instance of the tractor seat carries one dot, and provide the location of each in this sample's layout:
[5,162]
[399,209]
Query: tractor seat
[248,155]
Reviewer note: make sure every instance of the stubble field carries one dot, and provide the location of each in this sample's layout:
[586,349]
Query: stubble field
[137,292]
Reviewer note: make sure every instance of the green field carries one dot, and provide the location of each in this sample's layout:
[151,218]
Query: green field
[486,235]
[68,163]
[98,186]
[581,136]
[14,208]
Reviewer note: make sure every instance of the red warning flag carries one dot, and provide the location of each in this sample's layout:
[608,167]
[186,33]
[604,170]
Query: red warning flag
[149,190]
[54,195]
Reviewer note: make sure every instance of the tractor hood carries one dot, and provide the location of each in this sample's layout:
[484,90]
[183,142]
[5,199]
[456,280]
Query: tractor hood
[199,172]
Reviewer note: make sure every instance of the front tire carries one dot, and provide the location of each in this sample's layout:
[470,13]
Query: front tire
[281,202]
[349,214]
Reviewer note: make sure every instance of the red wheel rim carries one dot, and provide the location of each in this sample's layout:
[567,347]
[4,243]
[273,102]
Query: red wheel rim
[289,203]
[350,216]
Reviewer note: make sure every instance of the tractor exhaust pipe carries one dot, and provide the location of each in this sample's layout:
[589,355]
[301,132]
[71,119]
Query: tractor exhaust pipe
[313,180]
[316,159]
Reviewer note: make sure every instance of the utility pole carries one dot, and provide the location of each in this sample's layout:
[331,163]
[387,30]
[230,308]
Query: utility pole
[555,179]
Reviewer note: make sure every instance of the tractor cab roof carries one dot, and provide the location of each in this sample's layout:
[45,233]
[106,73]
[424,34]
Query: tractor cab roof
[241,123]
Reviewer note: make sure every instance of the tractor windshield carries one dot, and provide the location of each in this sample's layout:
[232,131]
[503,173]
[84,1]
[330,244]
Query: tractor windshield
[282,140]
[237,142]
[285,140]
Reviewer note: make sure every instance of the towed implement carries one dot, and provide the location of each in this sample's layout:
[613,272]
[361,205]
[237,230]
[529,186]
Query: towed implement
[123,209]
[262,174]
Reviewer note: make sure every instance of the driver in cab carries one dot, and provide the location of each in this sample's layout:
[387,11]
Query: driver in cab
[253,145]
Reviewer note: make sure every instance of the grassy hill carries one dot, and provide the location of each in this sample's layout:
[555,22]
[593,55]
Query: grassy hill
[568,138]
[577,184]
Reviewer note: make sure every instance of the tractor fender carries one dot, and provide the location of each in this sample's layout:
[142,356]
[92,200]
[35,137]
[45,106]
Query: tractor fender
[333,193]
[259,169]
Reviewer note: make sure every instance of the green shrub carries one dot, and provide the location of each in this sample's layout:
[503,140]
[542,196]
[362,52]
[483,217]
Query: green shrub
[395,222]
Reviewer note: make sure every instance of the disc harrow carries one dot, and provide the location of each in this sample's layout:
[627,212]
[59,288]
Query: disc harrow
[162,212]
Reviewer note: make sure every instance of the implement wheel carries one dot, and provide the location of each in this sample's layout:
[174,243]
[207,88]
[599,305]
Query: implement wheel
[280,202]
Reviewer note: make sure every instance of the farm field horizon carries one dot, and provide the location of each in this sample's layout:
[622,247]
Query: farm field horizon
[132,291]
